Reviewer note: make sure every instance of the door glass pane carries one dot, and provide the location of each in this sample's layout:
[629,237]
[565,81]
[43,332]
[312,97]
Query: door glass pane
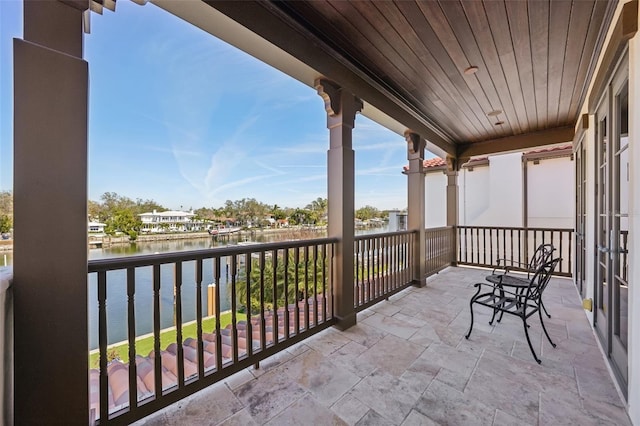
[602,291]
[622,218]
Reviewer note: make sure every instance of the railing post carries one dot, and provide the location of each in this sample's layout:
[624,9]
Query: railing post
[452,206]
[416,210]
[341,108]
[50,190]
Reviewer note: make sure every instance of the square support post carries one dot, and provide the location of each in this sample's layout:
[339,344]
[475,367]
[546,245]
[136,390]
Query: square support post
[416,205]
[341,108]
[50,210]
[453,210]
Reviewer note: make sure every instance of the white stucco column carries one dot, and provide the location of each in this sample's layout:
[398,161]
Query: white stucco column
[50,210]
[416,206]
[341,108]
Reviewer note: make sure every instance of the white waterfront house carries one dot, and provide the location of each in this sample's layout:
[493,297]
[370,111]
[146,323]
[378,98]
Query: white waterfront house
[96,227]
[169,221]
[522,189]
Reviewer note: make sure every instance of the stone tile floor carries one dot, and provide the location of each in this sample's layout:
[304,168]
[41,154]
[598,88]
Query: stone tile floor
[407,362]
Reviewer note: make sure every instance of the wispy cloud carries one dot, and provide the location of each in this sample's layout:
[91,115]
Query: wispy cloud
[380,171]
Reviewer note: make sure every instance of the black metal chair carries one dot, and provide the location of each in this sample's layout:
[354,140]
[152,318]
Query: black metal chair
[501,273]
[520,300]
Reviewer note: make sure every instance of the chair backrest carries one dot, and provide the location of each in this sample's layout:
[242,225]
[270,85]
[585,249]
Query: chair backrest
[540,279]
[541,256]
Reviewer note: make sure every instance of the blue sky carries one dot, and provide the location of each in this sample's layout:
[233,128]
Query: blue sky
[183,118]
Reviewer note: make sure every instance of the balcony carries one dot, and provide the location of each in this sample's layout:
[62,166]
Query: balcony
[280,361]
[407,362]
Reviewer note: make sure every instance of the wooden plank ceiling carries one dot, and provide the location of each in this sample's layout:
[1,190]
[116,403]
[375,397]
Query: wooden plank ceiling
[534,59]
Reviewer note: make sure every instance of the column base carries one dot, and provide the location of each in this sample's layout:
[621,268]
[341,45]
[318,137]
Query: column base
[346,322]
[419,283]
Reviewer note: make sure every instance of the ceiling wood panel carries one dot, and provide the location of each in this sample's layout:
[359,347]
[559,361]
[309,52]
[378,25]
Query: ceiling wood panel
[499,24]
[455,61]
[455,13]
[578,26]
[534,58]
[560,12]
[518,15]
[479,23]
[433,53]
[539,29]
[433,76]
[379,51]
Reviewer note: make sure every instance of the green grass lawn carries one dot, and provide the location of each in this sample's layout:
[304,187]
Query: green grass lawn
[144,345]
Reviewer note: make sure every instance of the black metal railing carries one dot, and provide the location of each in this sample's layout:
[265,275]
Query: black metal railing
[383,266]
[178,338]
[440,249]
[485,245]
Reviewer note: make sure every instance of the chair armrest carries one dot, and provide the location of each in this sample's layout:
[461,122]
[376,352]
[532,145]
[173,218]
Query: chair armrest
[498,287]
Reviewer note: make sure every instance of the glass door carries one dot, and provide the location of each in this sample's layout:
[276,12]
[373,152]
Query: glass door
[620,225]
[611,319]
[601,293]
[581,215]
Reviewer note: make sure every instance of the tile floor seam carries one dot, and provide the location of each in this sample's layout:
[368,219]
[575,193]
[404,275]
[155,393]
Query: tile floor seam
[285,408]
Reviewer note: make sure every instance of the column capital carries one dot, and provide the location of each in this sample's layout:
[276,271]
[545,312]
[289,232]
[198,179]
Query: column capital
[415,143]
[338,103]
[454,164]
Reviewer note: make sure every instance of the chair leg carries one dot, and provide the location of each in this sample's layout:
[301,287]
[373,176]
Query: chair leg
[545,308]
[526,332]
[471,326]
[545,329]
[495,311]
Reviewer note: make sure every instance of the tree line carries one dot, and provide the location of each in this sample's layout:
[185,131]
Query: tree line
[121,214]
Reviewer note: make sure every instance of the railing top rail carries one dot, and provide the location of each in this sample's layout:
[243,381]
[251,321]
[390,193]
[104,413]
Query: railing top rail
[517,228]
[440,228]
[100,265]
[383,234]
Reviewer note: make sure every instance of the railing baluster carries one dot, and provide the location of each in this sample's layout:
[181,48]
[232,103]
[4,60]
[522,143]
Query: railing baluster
[274,315]
[511,244]
[131,337]
[198,271]
[296,261]
[263,322]
[286,292]
[324,283]
[234,308]
[156,332]
[177,300]
[247,273]
[102,343]
[315,284]
[216,280]
[569,255]
[306,287]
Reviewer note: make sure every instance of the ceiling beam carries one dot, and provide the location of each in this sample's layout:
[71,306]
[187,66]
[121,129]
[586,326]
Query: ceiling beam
[272,24]
[517,142]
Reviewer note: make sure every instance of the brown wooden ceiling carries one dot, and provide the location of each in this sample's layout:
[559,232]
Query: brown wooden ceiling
[534,58]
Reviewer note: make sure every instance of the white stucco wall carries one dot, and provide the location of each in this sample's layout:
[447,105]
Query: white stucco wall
[435,189]
[551,193]
[474,195]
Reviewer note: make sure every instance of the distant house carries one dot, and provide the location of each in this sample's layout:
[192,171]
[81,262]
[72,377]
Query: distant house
[169,221]
[96,227]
